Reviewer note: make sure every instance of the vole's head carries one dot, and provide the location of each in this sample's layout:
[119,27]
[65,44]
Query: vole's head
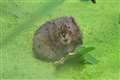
[69,32]
[64,35]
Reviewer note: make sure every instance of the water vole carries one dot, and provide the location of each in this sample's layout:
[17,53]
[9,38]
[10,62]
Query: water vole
[56,38]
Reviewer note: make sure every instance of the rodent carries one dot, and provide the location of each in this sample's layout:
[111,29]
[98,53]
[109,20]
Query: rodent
[56,38]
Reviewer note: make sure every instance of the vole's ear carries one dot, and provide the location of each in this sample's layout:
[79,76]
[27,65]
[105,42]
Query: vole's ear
[72,20]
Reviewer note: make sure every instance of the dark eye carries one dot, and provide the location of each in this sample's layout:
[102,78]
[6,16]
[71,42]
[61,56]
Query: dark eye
[67,25]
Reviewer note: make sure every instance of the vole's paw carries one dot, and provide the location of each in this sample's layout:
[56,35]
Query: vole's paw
[72,53]
[61,61]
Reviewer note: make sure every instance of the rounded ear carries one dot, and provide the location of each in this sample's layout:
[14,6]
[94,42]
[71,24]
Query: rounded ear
[73,20]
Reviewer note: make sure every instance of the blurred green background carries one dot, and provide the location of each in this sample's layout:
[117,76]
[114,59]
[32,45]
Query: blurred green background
[100,24]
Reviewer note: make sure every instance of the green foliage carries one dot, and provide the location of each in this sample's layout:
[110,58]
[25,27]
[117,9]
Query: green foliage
[81,55]
[84,52]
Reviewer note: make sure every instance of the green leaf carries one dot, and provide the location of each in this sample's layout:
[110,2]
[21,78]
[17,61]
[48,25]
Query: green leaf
[83,50]
[82,53]
[90,59]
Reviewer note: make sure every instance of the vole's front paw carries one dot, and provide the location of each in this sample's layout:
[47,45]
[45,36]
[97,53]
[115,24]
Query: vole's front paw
[61,61]
[71,53]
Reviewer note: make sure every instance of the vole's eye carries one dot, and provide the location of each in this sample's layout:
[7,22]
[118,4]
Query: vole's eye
[67,25]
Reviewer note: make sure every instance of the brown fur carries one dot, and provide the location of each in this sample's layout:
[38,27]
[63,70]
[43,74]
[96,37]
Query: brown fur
[56,38]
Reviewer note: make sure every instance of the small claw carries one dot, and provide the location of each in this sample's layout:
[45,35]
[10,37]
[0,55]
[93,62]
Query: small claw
[71,53]
[61,61]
